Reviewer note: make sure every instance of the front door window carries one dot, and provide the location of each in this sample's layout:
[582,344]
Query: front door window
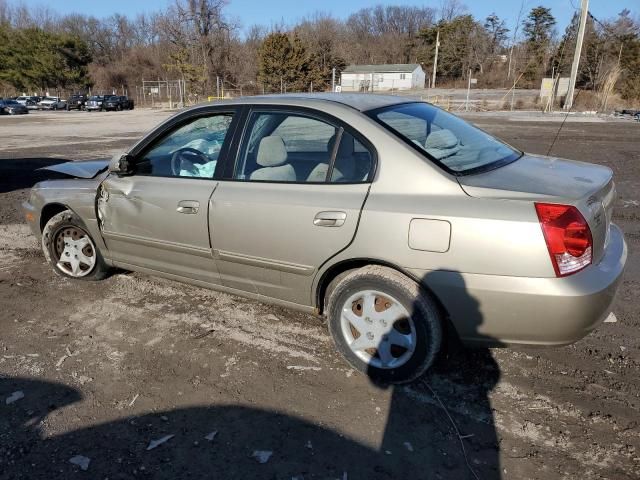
[192,150]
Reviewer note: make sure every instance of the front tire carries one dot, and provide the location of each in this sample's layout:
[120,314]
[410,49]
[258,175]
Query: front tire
[70,250]
[384,324]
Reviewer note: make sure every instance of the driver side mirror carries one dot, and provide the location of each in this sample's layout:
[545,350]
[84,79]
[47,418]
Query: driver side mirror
[121,164]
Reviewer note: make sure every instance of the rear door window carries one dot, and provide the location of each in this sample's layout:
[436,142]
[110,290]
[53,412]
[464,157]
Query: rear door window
[298,148]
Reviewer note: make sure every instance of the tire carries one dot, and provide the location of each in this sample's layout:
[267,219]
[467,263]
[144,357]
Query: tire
[65,226]
[412,319]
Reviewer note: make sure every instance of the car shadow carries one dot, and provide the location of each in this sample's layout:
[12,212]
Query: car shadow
[419,440]
[19,173]
[458,429]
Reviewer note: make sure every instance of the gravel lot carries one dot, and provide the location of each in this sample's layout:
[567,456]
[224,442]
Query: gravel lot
[106,368]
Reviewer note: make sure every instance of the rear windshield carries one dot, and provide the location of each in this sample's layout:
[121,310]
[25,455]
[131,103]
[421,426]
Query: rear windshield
[445,139]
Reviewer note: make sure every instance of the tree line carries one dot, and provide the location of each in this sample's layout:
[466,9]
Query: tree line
[198,42]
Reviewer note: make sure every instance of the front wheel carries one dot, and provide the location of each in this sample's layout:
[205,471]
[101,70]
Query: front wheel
[70,249]
[384,324]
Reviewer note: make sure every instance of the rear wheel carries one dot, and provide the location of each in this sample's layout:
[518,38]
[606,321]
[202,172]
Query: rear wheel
[70,250]
[384,324]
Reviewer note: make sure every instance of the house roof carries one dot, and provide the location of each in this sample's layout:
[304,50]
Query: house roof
[385,68]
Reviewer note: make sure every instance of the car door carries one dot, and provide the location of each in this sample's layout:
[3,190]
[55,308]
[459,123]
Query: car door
[290,201]
[157,218]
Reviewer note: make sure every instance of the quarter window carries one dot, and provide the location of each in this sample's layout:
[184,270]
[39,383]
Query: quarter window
[288,147]
[192,150]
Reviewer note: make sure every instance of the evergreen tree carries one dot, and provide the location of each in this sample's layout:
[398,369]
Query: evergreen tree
[34,59]
[456,49]
[497,30]
[273,57]
[538,30]
[283,63]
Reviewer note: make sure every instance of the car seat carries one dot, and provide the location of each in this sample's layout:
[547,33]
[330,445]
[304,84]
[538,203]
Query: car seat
[272,158]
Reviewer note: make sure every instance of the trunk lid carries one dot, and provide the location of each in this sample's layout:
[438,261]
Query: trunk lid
[587,186]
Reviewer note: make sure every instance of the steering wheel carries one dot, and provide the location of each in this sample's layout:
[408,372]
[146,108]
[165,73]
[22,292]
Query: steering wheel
[186,153]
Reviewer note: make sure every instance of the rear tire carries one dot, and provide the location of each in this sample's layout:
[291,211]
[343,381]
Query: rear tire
[384,324]
[70,250]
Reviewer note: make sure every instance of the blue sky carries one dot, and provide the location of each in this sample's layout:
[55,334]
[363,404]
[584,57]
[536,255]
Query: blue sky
[270,12]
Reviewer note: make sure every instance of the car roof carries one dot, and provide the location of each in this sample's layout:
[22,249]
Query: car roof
[358,101]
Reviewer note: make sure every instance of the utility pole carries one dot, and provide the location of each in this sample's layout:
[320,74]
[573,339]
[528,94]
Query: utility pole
[333,79]
[435,60]
[576,55]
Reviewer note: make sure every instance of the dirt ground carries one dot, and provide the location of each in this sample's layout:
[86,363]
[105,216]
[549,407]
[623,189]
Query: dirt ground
[107,368]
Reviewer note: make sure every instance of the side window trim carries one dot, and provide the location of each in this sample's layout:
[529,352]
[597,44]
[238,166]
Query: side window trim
[243,126]
[164,131]
[334,154]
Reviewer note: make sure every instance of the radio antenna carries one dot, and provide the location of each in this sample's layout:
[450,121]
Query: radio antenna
[566,115]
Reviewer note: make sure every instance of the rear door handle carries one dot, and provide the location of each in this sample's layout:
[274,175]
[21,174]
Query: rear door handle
[188,206]
[330,219]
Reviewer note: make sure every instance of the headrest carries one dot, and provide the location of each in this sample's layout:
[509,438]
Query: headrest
[345,149]
[441,139]
[271,152]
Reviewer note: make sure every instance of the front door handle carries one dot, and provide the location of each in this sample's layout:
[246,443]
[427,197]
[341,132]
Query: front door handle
[188,206]
[330,219]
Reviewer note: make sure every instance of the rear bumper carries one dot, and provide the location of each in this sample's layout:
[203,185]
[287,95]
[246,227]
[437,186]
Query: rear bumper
[500,310]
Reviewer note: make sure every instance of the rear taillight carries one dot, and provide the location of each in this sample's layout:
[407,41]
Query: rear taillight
[567,235]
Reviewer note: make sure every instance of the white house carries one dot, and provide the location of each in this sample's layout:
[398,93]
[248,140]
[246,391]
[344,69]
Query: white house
[367,78]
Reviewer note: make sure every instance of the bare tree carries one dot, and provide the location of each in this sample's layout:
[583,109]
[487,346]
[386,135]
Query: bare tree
[450,9]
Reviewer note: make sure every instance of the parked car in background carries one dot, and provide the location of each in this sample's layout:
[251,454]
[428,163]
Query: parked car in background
[394,219]
[52,103]
[126,102]
[117,102]
[29,101]
[95,103]
[76,102]
[12,107]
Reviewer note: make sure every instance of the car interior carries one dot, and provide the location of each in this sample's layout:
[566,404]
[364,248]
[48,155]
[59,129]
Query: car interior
[281,147]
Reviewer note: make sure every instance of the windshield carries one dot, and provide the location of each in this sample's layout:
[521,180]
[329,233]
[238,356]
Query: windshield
[446,139]
[95,98]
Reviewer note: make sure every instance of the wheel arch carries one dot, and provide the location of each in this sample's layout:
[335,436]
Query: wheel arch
[344,266]
[50,210]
